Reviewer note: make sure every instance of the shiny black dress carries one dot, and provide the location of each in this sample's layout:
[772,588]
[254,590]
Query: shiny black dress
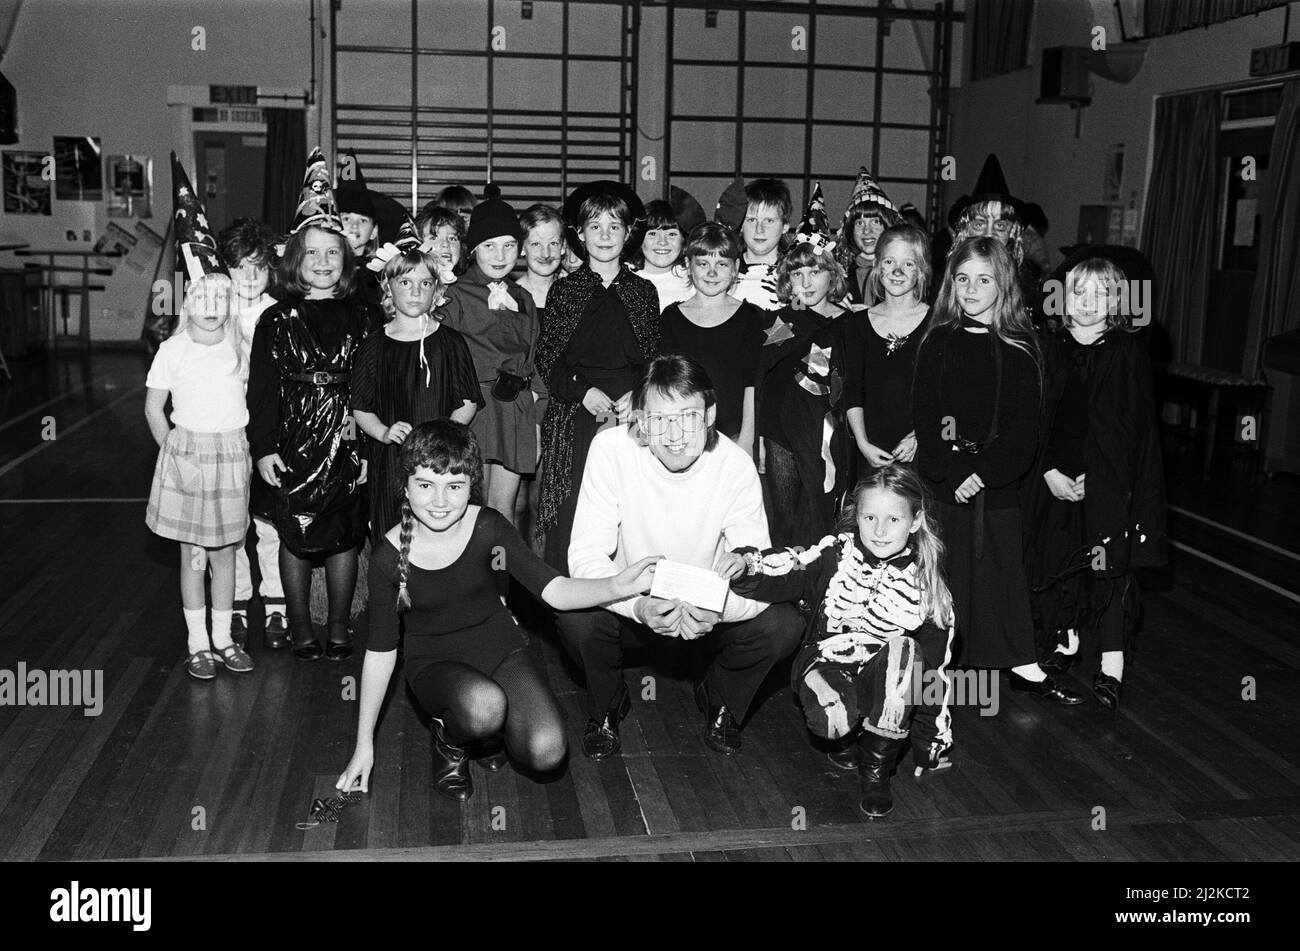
[319,509]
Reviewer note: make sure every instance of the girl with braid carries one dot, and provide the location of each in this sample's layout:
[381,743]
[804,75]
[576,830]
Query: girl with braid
[434,585]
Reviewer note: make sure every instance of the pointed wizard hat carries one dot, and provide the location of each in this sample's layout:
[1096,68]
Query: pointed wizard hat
[195,243]
[866,191]
[317,206]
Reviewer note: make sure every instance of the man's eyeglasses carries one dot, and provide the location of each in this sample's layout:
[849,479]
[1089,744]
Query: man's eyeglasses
[691,421]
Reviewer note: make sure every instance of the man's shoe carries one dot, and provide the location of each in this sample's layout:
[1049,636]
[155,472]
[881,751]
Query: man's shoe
[276,635]
[1058,662]
[239,630]
[1047,688]
[1106,689]
[844,752]
[600,740]
[721,731]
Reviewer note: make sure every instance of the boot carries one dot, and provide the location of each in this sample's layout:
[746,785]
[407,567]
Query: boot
[879,754]
[491,753]
[450,765]
[843,752]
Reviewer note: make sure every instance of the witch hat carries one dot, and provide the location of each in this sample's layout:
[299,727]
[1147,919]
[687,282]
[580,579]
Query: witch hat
[688,211]
[732,205]
[573,204]
[866,191]
[407,238]
[350,188]
[990,186]
[317,207]
[194,239]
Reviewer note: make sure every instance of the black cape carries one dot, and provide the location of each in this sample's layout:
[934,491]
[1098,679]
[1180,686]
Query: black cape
[1124,504]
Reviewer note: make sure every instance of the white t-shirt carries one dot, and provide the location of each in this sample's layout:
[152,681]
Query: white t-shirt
[630,507]
[248,316]
[207,393]
[673,287]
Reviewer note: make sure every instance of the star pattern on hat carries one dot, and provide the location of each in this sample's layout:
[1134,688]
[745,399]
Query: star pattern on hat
[195,243]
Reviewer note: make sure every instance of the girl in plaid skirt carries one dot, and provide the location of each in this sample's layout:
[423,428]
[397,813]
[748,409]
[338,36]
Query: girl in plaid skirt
[200,483]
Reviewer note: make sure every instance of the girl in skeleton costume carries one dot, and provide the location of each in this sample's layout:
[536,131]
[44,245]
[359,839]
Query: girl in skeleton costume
[883,609]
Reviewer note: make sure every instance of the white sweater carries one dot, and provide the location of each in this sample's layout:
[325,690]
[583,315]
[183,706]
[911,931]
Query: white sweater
[630,507]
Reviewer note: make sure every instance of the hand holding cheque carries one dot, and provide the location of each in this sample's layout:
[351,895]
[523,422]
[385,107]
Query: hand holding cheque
[686,601]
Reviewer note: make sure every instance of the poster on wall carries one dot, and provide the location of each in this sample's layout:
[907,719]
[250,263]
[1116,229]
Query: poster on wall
[144,253]
[130,186]
[115,240]
[27,191]
[78,168]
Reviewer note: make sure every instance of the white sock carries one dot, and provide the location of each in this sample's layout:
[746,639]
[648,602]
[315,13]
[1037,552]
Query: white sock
[1031,672]
[196,627]
[1112,664]
[221,638]
[1072,647]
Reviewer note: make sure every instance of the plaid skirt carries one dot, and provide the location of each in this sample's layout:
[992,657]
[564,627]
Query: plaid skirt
[200,488]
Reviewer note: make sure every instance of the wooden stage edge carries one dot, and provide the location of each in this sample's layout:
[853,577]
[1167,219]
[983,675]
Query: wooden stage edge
[750,839]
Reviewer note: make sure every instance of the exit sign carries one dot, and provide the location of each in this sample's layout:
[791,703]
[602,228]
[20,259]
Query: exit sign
[232,95]
[1269,60]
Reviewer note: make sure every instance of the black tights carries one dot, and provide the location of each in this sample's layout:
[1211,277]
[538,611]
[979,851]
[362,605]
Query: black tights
[515,700]
[800,511]
[340,584]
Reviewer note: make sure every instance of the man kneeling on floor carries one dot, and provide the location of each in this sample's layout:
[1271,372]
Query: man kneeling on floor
[667,485]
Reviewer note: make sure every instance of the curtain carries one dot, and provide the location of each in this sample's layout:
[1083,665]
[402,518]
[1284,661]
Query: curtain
[1179,222]
[1162,17]
[1274,308]
[999,36]
[286,161]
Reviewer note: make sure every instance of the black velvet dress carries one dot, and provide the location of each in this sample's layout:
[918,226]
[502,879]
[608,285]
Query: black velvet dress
[319,509]
[390,381]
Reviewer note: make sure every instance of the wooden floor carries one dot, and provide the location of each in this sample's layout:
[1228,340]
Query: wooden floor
[1189,770]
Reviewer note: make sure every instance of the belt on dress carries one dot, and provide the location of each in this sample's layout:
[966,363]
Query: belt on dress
[320,378]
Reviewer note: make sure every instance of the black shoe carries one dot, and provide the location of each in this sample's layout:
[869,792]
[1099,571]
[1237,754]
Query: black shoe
[305,645]
[1058,663]
[450,765]
[879,754]
[1048,689]
[601,740]
[338,646]
[239,630]
[491,754]
[275,637]
[844,752]
[1106,689]
[722,732]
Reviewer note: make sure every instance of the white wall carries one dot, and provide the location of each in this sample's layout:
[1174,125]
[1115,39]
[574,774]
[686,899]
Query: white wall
[1036,145]
[90,67]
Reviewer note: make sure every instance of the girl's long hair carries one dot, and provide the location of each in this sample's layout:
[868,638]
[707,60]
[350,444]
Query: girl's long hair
[214,290]
[918,242]
[902,480]
[445,447]
[1010,322]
